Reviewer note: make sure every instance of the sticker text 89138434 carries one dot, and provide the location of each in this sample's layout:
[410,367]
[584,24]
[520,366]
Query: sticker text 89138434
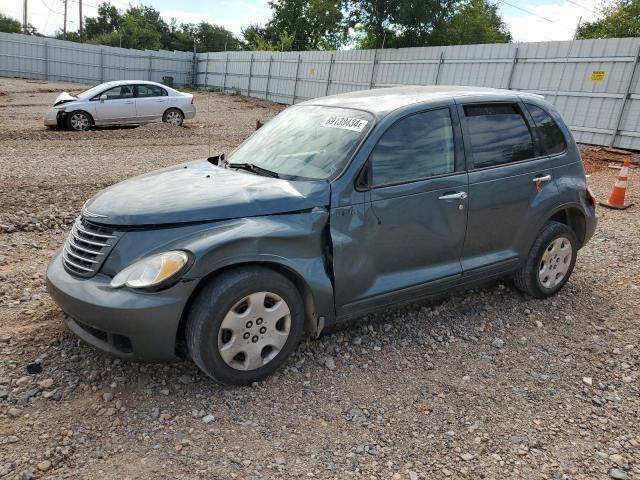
[345,123]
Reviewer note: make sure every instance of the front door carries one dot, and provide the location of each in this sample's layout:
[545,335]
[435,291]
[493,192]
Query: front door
[408,238]
[118,107]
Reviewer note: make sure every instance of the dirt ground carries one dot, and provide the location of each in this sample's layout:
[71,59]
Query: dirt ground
[485,383]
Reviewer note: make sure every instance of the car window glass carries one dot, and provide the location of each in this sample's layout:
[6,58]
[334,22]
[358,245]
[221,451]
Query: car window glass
[418,146]
[151,91]
[550,136]
[498,134]
[123,91]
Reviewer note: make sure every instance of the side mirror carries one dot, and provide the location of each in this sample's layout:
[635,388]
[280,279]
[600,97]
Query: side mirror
[363,182]
[102,98]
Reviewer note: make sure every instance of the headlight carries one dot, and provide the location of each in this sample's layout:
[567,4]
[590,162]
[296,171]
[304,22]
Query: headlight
[152,271]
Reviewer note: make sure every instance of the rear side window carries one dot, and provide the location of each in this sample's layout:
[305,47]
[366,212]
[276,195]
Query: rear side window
[416,147]
[498,134]
[549,134]
[151,91]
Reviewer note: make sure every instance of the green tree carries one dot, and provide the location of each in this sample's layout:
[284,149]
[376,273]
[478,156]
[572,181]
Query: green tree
[107,21]
[370,19]
[477,21]
[214,38]
[313,24]
[419,22]
[11,25]
[258,37]
[621,19]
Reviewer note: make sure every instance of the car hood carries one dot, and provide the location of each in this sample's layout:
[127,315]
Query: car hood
[198,192]
[64,97]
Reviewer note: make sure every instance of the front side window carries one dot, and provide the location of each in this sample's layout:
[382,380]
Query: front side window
[498,134]
[549,134]
[151,91]
[414,148]
[116,93]
[306,141]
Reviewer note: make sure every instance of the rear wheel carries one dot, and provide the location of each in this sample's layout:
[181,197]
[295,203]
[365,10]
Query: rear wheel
[79,121]
[550,261]
[244,324]
[173,116]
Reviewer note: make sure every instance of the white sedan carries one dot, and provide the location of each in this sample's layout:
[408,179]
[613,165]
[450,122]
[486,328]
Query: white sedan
[124,102]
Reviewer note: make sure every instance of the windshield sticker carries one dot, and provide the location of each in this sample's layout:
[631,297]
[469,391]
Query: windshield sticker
[345,123]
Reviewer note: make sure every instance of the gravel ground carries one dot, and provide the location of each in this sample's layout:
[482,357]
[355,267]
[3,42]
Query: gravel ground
[485,383]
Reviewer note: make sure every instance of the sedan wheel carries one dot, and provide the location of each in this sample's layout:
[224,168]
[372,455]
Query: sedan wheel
[173,117]
[79,121]
[254,331]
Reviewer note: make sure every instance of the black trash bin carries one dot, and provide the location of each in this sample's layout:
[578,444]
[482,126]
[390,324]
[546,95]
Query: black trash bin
[168,81]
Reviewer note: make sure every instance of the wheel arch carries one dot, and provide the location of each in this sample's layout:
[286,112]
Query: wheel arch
[574,218]
[312,325]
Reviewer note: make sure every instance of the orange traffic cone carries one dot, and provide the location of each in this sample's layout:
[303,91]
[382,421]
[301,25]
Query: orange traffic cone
[616,199]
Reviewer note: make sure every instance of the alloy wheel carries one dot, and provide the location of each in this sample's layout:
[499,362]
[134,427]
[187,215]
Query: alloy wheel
[174,118]
[79,121]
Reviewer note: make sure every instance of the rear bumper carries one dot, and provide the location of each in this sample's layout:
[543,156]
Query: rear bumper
[190,113]
[121,322]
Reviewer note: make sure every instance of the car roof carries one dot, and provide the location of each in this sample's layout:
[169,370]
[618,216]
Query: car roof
[381,101]
[116,83]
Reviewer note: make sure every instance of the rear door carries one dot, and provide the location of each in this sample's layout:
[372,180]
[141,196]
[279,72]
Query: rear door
[119,106]
[414,223]
[510,183]
[151,102]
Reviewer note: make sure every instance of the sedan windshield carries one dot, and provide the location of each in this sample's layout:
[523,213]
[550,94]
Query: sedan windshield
[92,91]
[306,141]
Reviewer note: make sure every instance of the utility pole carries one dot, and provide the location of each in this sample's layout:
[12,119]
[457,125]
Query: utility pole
[64,27]
[80,10]
[24,17]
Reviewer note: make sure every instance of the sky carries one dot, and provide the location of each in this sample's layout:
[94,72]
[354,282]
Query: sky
[528,20]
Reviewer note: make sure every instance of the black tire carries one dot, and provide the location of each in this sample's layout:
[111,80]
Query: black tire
[527,279]
[79,121]
[171,114]
[212,304]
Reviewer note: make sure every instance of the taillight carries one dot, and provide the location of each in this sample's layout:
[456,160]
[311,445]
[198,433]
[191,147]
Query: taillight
[192,99]
[591,197]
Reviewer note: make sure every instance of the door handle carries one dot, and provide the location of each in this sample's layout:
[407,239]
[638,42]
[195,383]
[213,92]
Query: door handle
[453,196]
[128,102]
[542,178]
[160,101]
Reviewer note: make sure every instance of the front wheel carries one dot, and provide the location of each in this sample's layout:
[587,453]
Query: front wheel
[79,121]
[550,261]
[174,117]
[244,324]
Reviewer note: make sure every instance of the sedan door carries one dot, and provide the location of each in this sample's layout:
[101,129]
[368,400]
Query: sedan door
[409,240]
[151,102]
[118,107]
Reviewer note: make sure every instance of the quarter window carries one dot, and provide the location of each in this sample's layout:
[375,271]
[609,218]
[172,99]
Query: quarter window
[549,134]
[498,134]
[151,91]
[416,147]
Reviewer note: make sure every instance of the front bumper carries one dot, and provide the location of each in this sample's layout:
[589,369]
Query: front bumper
[135,325]
[51,118]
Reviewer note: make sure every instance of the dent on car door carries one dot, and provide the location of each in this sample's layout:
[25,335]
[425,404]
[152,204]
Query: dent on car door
[407,236]
[510,186]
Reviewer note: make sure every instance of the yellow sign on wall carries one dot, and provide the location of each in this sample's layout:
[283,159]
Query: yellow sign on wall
[597,76]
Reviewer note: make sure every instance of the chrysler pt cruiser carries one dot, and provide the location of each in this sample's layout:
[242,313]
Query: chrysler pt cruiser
[336,207]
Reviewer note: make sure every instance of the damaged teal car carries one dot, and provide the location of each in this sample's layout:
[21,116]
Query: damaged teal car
[337,207]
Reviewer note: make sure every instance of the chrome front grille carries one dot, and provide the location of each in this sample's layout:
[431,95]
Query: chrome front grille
[87,247]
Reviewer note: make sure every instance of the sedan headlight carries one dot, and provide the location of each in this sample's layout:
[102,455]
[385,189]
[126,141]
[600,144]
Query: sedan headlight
[152,271]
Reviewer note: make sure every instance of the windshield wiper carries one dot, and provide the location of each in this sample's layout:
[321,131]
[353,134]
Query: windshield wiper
[252,167]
